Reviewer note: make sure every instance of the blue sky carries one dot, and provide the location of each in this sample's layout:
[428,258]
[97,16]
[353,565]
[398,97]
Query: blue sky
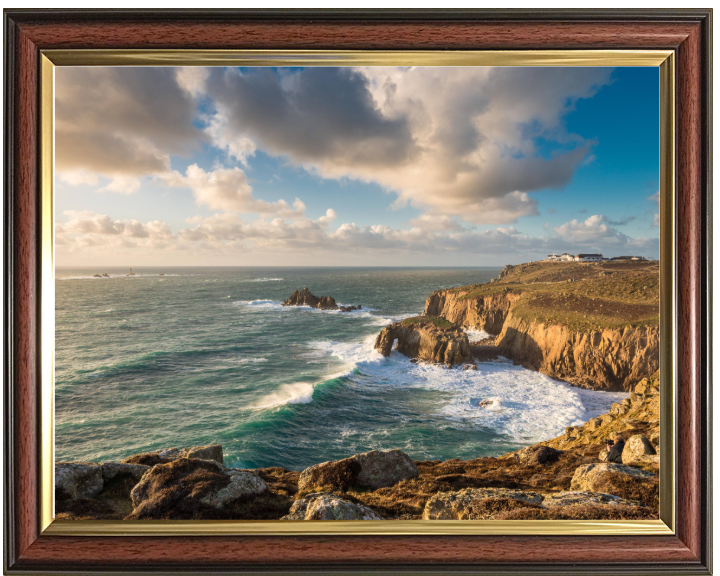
[367,166]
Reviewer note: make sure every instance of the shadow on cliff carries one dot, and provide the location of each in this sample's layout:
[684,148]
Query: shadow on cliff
[521,349]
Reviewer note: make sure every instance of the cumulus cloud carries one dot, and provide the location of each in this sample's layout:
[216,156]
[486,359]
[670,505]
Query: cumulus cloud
[229,235]
[121,122]
[90,223]
[227,189]
[449,140]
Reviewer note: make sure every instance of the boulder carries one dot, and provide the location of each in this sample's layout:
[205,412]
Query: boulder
[536,455]
[635,447]
[243,485]
[374,469]
[572,432]
[590,477]
[77,480]
[477,503]
[593,424]
[603,455]
[578,498]
[469,367]
[112,470]
[208,452]
[647,462]
[193,489]
[322,506]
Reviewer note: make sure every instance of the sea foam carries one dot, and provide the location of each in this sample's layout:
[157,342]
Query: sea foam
[297,393]
[525,405]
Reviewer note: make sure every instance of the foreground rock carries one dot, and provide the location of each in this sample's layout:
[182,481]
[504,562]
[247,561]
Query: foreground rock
[374,469]
[322,506]
[305,298]
[208,452]
[618,479]
[77,480]
[636,448]
[426,338]
[536,455]
[187,488]
[477,503]
[578,498]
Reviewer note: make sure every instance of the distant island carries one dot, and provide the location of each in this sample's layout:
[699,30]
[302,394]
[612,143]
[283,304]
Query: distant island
[591,324]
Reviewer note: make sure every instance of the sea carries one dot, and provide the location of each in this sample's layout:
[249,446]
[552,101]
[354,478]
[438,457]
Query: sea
[192,356]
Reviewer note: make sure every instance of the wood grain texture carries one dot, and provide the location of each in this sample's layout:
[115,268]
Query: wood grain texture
[323,35]
[26,220]
[687,33]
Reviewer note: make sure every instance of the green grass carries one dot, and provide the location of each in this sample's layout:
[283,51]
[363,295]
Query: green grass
[435,320]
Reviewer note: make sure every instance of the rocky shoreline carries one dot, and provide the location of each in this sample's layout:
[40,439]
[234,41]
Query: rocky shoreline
[561,478]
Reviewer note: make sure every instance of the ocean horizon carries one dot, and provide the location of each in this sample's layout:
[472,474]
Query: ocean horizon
[186,356]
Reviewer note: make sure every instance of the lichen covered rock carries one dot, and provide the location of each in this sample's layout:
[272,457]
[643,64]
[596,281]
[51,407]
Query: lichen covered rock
[77,480]
[636,447]
[374,469]
[469,504]
[322,506]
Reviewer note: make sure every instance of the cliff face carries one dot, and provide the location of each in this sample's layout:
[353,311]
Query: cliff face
[425,341]
[486,313]
[600,360]
[588,325]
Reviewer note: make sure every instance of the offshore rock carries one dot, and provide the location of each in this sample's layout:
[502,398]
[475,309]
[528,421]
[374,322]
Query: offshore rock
[305,298]
[322,506]
[426,338]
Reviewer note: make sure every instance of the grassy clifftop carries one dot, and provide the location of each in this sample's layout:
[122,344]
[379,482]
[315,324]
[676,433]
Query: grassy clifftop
[581,296]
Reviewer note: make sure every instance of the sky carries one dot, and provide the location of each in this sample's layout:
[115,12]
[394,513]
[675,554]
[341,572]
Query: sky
[368,166]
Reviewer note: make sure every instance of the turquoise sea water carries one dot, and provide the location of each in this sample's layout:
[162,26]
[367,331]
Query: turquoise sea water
[208,355]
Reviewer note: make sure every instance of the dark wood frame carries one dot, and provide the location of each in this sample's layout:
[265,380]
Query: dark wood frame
[687,32]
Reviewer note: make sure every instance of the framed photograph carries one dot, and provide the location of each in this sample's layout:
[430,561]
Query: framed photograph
[357,291]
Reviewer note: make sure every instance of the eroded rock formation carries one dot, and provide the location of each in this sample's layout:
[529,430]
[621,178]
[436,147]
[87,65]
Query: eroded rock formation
[426,339]
[306,298]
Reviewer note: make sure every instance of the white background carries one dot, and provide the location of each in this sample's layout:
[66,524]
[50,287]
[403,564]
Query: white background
[390,4]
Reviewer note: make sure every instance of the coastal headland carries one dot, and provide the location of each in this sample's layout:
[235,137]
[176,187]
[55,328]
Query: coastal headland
[591,325]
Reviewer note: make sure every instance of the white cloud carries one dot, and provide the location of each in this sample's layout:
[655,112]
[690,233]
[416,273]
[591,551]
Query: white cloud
[227,189]
[78,177]
[122,185]
[452,141]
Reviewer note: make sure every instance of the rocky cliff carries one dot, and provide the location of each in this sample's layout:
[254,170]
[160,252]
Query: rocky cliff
[487,312]
[592,325]
[608,359]
[426,338]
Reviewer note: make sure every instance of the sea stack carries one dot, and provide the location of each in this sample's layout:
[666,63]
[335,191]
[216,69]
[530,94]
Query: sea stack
[426,338]
[306,298]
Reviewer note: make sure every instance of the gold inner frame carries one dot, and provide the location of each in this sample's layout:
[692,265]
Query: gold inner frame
[664,59]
